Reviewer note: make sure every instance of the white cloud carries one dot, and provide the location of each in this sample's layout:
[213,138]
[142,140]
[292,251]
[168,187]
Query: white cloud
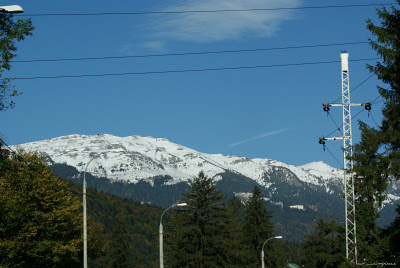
[155,45]
[136,49]
[258,137]
[211,27]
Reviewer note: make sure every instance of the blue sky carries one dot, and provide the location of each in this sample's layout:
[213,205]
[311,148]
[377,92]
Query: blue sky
[273,112]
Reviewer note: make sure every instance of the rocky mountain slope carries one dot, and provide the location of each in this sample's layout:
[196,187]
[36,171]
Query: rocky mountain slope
[136,158]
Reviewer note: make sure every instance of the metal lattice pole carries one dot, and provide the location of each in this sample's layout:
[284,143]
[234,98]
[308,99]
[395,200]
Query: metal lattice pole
[351,245]
[350,212]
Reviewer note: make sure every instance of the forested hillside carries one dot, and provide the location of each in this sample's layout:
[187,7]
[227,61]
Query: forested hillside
[294,224]
[130,229]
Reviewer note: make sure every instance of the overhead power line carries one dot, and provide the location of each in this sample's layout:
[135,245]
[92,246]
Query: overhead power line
[375,100]
[333,155]
[354,117]
[204,11]
[188,53]
[187,70]
[369,77]
[338,128]
[379,101]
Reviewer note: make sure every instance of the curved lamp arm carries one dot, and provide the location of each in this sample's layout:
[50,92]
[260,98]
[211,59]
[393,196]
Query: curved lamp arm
[160,231]
[174,205]
[93,158]
[276,237]
[84,214]
[262,249]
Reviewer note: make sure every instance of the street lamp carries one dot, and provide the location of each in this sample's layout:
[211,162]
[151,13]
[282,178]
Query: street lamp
[84,214]
[262,249]
[11,9]
[161,232]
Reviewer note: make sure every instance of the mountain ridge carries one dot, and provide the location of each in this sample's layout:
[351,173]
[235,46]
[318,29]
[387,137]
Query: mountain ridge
[158,171]
[134,158]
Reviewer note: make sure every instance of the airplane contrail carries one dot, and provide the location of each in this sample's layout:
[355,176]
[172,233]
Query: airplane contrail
[258,137]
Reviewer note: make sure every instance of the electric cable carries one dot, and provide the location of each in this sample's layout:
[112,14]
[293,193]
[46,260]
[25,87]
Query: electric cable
[379,101]
[186,70]
[373,119]
[187,53]
[331,133]
[374,101]
[355,87]
[13,152]
[341,127]
[338,128]
[333,155]
[357,114]
[203,11]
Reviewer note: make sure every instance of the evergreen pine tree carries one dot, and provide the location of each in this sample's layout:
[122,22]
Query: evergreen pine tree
[325,247]
[257,229]
[199,233]
[392,236]
[235,242]
[121,253]
[369,185]
[377,156]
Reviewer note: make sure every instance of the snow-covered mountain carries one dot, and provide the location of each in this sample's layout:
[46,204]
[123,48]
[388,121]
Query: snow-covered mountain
[137,158]
[156,170]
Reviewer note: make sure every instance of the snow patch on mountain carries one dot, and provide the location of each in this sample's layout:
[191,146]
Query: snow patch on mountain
[135,158]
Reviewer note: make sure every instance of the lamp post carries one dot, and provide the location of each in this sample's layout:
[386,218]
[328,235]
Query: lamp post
[11,9]
[84,214]
[161,233]
[262,249]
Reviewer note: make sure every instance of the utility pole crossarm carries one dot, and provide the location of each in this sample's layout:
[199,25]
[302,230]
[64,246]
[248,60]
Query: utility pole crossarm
[334,138]
[326,106]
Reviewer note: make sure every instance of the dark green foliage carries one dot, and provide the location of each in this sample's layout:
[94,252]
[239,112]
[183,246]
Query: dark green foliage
[391,238]
[209,232]
[379,151]
[370,245]
[326,247]
[40,223]
[295,224]
[257,229]
[371,178]
[235,242]
[130,230]
[292,224]
[121,251]
[10,32]
[394,233]
[370,182]
[198,235]
[377,156]
[293,252]
[234,183]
